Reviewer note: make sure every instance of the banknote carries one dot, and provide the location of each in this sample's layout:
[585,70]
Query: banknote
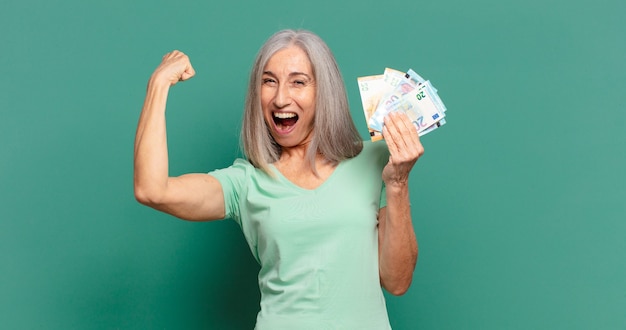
[416,101]
[374,88]
[417,79]
[399,91]
[414,76]
[393,78]
[371,89]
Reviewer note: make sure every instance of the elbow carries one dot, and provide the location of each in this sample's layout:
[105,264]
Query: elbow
[145,196]
[141,196]
[397,285]
[399,289]
[400,292]
[398,282]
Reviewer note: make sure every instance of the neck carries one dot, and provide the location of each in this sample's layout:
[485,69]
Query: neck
[295,158]
[295,152]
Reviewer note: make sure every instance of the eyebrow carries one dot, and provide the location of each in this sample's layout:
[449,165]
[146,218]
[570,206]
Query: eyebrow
[290,74]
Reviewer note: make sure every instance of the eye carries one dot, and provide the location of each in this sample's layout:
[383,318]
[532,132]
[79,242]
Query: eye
[269,81]
[299,82]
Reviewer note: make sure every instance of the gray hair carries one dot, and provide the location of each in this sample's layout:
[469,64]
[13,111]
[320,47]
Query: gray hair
[334,135]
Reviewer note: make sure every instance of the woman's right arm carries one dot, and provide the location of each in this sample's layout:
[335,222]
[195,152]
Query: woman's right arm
[190,196]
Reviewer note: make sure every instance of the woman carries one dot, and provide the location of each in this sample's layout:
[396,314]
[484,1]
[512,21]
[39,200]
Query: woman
[327,216]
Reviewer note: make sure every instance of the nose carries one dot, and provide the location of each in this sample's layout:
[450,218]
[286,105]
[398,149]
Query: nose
[282,97]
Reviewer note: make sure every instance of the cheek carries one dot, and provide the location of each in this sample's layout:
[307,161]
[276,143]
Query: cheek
[266,101]
[264,97]
[267,115]
[307,99]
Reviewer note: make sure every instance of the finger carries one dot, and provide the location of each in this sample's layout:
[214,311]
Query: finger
[181,65]
[188,73]
[390,140]
[404,136]
[174,56]
[408,126]
[170,55]
[409,132]
[396,129]
[405,129]
[412,139]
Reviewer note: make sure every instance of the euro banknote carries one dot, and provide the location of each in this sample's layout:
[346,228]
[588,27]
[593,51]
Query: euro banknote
[399,91]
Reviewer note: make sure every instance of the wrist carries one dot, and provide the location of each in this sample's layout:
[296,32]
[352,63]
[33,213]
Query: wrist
[156,81]
[397,187]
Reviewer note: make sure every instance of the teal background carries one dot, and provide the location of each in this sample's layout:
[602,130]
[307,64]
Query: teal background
[519,202]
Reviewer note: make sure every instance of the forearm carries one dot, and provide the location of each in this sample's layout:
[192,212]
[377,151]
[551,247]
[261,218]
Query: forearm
[151,158]
[398,244]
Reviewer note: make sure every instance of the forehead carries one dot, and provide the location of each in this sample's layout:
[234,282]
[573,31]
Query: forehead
[289,60]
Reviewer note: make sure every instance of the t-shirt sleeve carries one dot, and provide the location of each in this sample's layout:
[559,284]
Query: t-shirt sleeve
[383,197]
[382,158]
[233,180]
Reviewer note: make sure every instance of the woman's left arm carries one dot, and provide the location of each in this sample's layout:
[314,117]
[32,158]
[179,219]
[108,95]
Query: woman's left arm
[397,248]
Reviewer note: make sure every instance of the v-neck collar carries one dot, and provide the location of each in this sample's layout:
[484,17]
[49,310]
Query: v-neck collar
[325,183]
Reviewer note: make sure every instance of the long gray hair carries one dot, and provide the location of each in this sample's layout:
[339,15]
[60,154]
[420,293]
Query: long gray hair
[334,135]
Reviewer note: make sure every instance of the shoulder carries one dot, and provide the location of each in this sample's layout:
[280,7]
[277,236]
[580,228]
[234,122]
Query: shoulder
[241,174]
[375,150]
[234,174]
[373,156]
[239,166]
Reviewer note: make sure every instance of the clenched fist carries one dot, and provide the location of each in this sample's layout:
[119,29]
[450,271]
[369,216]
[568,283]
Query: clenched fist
[174,67]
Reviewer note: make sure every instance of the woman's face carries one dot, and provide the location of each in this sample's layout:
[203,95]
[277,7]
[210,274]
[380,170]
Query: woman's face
[288,97]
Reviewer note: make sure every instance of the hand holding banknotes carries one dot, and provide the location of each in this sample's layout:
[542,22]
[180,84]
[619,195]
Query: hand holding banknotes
[396,91]
[404,147]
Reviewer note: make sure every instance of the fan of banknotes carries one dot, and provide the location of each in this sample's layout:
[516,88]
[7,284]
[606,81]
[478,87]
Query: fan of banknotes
[399,91]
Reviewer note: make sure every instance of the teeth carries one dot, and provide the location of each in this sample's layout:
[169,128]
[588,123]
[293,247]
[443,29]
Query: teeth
[284,115]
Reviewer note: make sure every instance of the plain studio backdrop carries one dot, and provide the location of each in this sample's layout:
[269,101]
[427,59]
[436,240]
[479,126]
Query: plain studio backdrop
[519,202]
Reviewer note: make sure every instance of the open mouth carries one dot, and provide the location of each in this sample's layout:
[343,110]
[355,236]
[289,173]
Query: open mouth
[284,120]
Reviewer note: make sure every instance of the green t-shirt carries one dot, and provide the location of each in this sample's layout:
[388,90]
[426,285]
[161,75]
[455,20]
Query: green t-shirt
[318,249]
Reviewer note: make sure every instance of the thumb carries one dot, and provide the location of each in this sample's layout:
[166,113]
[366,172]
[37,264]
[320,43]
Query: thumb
[188,73]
